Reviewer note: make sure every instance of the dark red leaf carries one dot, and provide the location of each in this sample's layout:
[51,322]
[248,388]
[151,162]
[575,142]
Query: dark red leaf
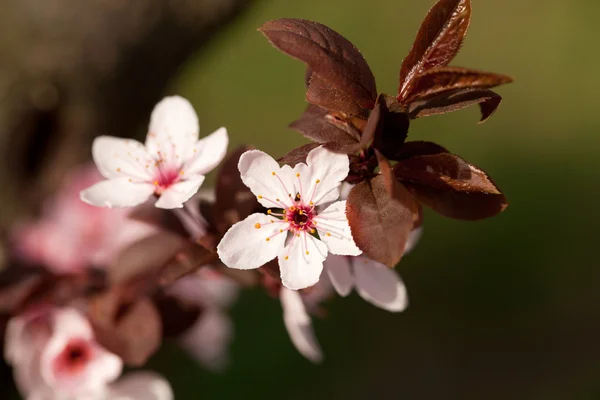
[324,94]
[435,82]
[393,129]
[177,315]
[385,169]
[234,201]
[381,222]
[184,263]
[419,148]
[146,256]
[327,53]
[438,40]
[17,284]
[298,155]
[338,133]
[451,186]
[488,102]
[133,331]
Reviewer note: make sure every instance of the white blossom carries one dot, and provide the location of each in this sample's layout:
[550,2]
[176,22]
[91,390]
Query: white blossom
[170,165]
[295,231]
[376,283]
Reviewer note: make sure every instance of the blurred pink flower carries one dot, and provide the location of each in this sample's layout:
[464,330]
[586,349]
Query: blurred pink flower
[209,338]
[55,357]
[72,235]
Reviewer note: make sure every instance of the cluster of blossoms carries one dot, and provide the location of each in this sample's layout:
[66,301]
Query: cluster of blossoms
[148,254]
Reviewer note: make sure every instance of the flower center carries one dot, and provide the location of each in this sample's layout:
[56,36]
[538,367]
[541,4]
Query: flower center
[300,217]
[73,358]
[165,177]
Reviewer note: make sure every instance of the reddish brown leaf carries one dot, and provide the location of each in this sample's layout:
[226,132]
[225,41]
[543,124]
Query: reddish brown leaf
[393,129]
[131,330]
[438,40]
[176,315]
[298,155]
[17,284]
[488,102]
[381,222]
[146,256]
[318,125]
[374,125]
[307,74]
[324,94]
[327,53]
[385,168]
[234,201]
[438,81]
[185,263]
[419,148]
[451,186]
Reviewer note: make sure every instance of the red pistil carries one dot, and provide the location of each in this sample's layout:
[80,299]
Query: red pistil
[165,177]
[74,357]
[300,217]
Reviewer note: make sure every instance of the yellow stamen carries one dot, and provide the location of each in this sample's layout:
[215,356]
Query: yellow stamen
[273,173]
[257,225]
[298,175]
[118,169]
[307,253]
[259,197]
[328,234]
[318,181]
[286,257]
[268,239]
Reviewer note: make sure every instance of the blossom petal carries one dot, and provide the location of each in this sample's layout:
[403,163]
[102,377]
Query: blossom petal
[272,185]
[323,177]
[334,230]
[173,130]
[245,244]
[413,239]
[379,285]
[299,325]
[116,158]
[141,386]
[206,288]
[340,275]
[179,193]
[208,153]
[70,322]
[301,261]
[209,338]
[118,192]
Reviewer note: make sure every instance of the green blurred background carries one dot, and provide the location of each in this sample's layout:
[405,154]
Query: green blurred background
[506,308]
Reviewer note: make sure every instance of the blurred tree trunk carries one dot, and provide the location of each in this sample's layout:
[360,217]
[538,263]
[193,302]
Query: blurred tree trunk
[71,70]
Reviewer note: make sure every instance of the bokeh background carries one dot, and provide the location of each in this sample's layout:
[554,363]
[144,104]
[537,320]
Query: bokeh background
[507,308]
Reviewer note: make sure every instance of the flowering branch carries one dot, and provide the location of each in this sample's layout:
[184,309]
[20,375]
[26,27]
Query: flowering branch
[329,217]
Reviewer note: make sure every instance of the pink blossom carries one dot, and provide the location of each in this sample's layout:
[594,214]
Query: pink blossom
[170,165]
[55,357]
[209,338]
[71,235]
